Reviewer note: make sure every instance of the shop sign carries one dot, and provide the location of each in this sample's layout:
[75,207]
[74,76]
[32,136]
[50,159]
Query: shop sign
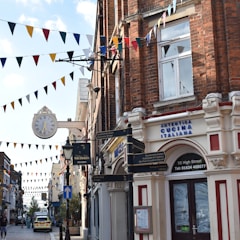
[81,153]
[176,129]
[189,162]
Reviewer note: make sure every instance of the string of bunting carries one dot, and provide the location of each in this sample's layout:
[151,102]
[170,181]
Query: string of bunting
[22,145]
[36,57]
[46,32]
[36,92]
[137,42]
[39,161]
[35,187]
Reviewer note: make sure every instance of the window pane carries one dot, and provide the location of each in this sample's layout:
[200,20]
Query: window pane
[181,210]
[176,48]
[185,76]
[168,74]
[202,210]
[175,31]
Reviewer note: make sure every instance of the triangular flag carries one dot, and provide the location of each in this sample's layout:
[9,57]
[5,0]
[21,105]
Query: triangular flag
[63,80]
[86,52]
[28,98]
[70,54]
[148,38]
[134,44]
[36,57]
[46,33]
[3,61]
[12,103]
[120,46]
[30,30]
[36,94]
[77,37]
[46,89]
[82,70]
[115,41]
[63,36]
[71,75]
[90,39]
[19,60]
[20,101]
[52,56]
[54,85]
[12,26]
[127,41]
[139,41]
[155,30]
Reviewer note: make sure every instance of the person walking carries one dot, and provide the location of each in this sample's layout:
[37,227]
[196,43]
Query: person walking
[4,222]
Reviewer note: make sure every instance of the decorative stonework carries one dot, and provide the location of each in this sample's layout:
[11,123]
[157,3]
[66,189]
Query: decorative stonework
[211,104]
[135,118]
[236,159]
[236,110]
[218,161]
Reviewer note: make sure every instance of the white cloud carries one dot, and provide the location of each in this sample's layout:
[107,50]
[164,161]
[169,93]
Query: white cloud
[13,80]
[57,24]
[88,10]
[28,20]
[6,47]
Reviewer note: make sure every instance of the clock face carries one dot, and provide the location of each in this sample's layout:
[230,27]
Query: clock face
[44,125]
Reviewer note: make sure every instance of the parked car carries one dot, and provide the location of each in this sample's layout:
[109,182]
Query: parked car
[42,223]
[19,220]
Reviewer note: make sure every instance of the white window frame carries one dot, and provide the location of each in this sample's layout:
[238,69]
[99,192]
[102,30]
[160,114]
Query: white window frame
[175,59]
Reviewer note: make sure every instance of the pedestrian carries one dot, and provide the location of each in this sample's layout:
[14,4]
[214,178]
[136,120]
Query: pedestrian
[4,222]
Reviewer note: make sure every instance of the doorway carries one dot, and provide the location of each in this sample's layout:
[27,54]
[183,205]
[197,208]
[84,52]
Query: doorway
[189,209]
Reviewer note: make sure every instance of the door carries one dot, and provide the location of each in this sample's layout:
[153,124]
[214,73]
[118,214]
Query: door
[189,210]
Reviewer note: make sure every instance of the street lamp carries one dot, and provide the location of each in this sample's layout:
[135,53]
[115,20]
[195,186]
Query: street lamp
[67,151]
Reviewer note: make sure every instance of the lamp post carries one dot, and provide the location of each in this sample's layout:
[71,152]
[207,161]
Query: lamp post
[67,151]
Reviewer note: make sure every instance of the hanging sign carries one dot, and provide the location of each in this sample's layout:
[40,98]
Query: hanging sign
[81,153]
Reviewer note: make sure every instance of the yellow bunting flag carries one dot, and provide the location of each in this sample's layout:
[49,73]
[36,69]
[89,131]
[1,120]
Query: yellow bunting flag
[12,103]
[29,30]
[52,56]
[115,41]
[63,80]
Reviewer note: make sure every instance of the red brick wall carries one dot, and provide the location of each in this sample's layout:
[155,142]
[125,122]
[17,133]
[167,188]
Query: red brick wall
[215,39]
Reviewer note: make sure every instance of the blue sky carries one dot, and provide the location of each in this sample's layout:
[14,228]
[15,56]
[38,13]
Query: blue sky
[70,16]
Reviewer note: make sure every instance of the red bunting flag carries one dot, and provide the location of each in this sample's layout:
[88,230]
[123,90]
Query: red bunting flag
[36,57]
[46,33]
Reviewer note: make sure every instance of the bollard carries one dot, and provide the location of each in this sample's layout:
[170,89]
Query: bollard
[60,232]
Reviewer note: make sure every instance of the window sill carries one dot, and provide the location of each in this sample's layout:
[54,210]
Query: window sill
[172,102]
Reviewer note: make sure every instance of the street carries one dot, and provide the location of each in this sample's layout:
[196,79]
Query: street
[17,232]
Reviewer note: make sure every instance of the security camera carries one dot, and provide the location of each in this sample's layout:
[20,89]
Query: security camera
[96,89]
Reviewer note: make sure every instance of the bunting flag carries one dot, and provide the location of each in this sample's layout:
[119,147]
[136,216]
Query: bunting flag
[45,89]
[35,57]
[46,32]
[37,162]
[22,145]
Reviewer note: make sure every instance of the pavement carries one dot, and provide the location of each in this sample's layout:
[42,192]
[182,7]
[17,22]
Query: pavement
[55,236]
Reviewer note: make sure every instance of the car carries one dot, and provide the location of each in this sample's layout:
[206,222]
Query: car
[19,220]
[42,223]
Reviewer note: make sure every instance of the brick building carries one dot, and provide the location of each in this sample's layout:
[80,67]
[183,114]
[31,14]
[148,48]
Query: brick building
[170,69]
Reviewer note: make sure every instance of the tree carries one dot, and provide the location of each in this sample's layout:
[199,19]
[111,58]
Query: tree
[74,209]
[33,207]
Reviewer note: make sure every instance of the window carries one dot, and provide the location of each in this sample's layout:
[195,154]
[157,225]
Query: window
[175,61]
